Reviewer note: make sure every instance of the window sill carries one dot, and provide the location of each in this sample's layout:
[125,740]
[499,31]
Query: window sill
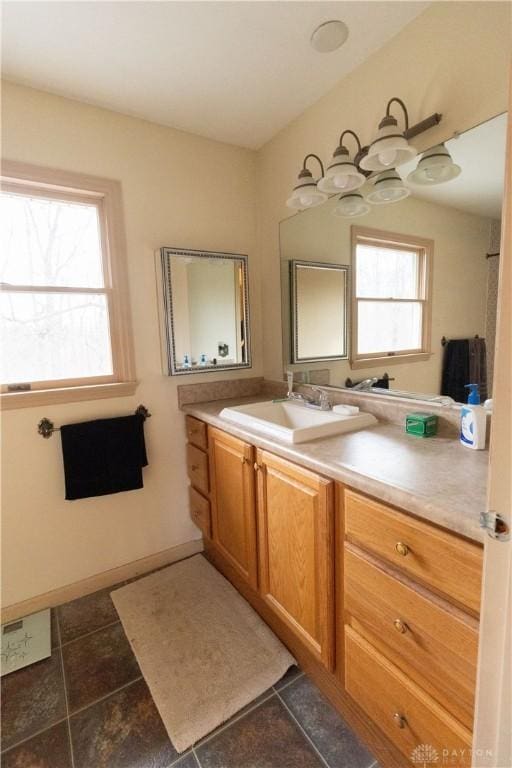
[372,362]
[11,400]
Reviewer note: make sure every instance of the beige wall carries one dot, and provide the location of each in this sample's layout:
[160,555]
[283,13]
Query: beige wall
[458,285]
[452,59]
[178,190]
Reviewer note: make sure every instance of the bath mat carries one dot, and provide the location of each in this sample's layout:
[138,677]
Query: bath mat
[203,651]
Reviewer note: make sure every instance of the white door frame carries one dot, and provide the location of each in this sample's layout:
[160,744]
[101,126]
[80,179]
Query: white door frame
[492,743]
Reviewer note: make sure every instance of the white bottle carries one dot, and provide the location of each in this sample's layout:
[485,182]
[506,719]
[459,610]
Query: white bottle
[473,421]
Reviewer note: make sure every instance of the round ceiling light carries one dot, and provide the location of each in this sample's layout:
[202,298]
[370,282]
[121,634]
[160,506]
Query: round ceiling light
[329,36]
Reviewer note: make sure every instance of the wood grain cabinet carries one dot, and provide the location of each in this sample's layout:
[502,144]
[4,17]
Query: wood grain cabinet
[296,551]
[233,502]
[411,594]
[380,608]
[198,474]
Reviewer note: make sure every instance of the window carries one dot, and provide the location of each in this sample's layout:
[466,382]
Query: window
[391,297]
[63,303]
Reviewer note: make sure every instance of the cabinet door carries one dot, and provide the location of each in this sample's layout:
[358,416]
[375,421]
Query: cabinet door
[233,502]
[295,524]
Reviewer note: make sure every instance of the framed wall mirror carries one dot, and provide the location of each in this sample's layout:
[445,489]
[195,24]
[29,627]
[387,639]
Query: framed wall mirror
[423,276]
[319,329]
[206,311]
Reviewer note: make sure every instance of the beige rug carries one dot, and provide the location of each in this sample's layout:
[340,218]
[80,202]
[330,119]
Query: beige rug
[204,652]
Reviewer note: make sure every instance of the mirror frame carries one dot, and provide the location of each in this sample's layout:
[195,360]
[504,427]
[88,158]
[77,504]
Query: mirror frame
[294,320]
[169,341]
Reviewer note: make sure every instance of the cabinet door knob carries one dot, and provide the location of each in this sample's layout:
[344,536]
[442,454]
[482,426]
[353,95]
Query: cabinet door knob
[400,626]
[244,460]
[194,467]
[402,548]
[399,720]
[256,466]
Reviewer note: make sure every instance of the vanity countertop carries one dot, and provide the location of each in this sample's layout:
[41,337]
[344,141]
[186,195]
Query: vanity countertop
[434,478]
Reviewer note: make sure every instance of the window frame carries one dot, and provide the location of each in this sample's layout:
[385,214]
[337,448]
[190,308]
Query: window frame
[105,194]
[425,250]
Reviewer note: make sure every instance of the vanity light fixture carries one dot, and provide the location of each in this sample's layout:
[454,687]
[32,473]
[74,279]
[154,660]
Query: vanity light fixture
[434,167]
[306,193]
[388,187]
[342,175]
[390,147]
[351,205]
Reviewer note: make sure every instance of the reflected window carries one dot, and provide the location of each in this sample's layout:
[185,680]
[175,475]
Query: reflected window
[391,295]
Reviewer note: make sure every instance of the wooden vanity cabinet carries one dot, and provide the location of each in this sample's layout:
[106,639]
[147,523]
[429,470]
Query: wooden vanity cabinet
[408,649]
[296,550]
[198,474]
[379,607]
[233,502]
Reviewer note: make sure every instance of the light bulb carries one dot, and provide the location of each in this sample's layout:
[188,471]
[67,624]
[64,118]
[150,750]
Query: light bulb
[341,180]
[391,194]
[435,172]
[306,200]
[388,157]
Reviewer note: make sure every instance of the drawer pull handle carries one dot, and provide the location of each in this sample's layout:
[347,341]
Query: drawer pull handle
[402,548]
[400,720]
[400,626]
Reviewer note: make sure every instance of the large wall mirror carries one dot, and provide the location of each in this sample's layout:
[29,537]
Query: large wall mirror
[423,277]
[206,310]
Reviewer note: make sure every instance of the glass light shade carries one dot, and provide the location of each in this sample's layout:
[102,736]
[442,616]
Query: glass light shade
[342,174]
[389,149]
[351,205]
[434,167]
[388,187]
[306,196]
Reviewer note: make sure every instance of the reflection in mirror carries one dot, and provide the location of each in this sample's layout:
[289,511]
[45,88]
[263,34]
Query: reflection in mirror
[422,269]
[206,310]
[319,331]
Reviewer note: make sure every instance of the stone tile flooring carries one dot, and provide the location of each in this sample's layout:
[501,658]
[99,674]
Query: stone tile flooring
[87,706]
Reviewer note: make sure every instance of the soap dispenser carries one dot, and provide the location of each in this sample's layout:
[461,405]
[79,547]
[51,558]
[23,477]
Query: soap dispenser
[473,420]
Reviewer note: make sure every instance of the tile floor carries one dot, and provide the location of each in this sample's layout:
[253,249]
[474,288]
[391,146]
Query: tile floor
[87,706]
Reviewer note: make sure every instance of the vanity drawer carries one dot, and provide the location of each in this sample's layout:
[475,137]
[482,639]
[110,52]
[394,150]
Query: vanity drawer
[428,639]
[197,432]
[439,559]
[197,468]
[402,710]
[200,511]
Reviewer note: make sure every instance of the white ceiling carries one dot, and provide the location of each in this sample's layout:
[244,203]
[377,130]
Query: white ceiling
[478,189]
[233,71]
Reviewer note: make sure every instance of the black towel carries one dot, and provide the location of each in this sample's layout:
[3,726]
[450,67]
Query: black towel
[456,370]
[103,456]
[478,365]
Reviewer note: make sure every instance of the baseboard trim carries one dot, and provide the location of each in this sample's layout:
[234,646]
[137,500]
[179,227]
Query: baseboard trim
[100,581]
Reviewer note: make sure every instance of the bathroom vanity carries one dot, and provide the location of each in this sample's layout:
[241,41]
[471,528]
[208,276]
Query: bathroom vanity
[374,589]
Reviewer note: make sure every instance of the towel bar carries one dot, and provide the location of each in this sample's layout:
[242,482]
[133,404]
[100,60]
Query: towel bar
[444,340]
[46,428]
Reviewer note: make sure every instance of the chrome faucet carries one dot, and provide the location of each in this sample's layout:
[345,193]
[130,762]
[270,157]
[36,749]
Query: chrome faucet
[365,385]
[291,395]
[323,399]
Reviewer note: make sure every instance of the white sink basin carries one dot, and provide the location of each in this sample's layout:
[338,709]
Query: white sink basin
[295,422]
